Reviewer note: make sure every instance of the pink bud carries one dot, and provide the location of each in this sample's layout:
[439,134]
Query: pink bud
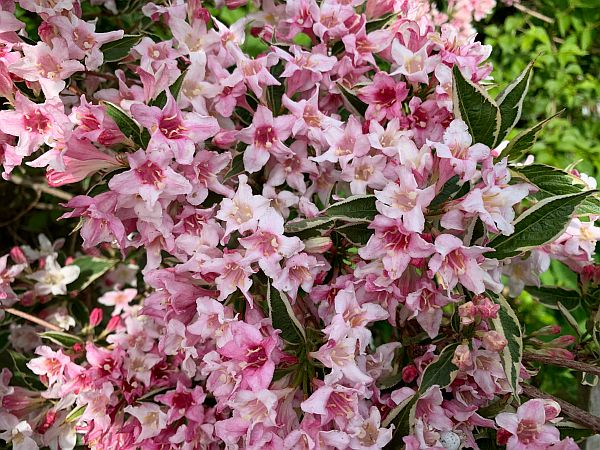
[113,324]
[409,373]
[317,245]
[548,330]
[17,255]
[224,138]
[96,317]
[233,4]
[562,342]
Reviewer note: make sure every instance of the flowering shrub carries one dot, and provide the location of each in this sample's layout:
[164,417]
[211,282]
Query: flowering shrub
[302,229]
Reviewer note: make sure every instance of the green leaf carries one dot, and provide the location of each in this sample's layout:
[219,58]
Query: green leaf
[309,227]
[540,224]
[356,233]
[275,93]
[403,418]
[451,187]
[357,106]
[552,181]
[569,318]
[117,50]
[129,127]
[75,414]
[175,88]
[283,317]
[477,109]
[63,339]
[523,141]
[91,268]
[381,22]
[237,166]
[507,325]
[550,296]
[355,207]
[510,101]
[573,430]
[389,381]
[441,372]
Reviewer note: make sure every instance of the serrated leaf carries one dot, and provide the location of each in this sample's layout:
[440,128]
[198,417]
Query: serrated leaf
[441,372]
[506,323]
[540,224]
[90,269]
[357,106]
[283,317]
[523,141]
[63,339]
[175,88]
[129,127]
[355,233]
[550,295]
[552,181]
[510,101]
[477,109]
[117,50]
[355,207]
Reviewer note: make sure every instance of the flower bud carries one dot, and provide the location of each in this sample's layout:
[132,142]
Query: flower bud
[467,312]
[317,245]
[113,324]
[96,317]
[409,373]
[18,256]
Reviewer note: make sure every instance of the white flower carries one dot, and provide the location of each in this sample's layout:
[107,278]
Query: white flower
[151,418]
[19,433]
[53,279]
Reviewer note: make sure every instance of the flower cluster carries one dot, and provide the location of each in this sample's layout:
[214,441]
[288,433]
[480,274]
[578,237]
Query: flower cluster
[314,222]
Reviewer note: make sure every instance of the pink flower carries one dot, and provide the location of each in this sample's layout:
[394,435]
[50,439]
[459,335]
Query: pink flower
[81,159]
[150,178]
[52,364]
[426,305]
[150,417]
[456,263]
[340,357]
[265,138]
[180,131]
[255,72]
[119,299]
[344,144]
[82,39]
[35,124]
[305,69]
[49,66]
[458,152]
[415,66]
[528,427]
[404,200]
[253,352]
[299,271]
[332,401]
[394,245]
[234,273]
[241,213]
[384,97]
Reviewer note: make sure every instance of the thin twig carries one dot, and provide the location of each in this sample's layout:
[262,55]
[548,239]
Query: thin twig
[533,13]
[29,317]
[41,187]
[578,415]
[575,365]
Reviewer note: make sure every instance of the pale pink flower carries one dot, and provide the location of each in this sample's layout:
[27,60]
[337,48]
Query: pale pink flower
[53,279]
[265,137]
[384,97]
[528,427]
[50,363]
[414,65]
[49,66]
[150,417]
[118,299]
